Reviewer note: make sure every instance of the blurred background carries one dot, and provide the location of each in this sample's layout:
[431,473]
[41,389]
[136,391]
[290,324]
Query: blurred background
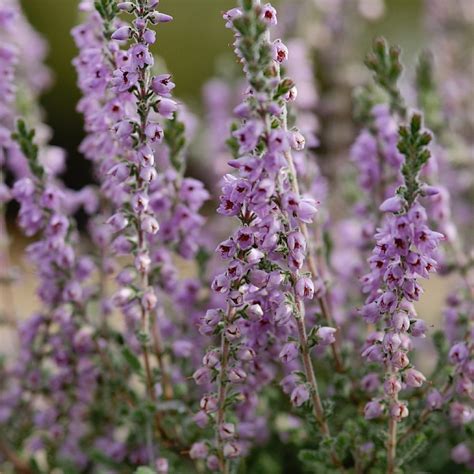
[191,47]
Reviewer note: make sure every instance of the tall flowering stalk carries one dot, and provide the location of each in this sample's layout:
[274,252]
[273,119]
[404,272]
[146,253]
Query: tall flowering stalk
[57,343]
[452,375]
[405,251]
[24,78]
[265,284]
[143,98]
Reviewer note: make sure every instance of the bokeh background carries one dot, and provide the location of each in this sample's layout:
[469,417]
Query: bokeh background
[191,46]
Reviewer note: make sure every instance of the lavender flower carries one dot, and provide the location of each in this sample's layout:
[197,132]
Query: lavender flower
[267,252]
[405,251]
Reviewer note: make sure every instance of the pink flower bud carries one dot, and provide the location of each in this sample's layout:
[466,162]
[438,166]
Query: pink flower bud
[227,430]
[162,466]
[434,400]
[326,335]
[149,299]
[237,375]
[202,376]
[208,403]
[398,411]
[414,378]
[232,450]
[149,225]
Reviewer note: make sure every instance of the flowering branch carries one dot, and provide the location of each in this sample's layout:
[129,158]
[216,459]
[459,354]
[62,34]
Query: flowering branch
[405,251]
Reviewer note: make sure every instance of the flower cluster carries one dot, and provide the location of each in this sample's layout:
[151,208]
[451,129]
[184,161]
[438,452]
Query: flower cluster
[405,251]
[43,374]
[265,285]
[149,354]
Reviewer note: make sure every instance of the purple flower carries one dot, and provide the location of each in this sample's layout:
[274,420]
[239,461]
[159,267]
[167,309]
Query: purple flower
[248,136]
[461,454]
[269,14]
[458,353]
[434,400]
[299,395]
[198,450]
[289,352]
[279,51]
[326,335]
[162,85]
[393,204]
[414,378]
[398,411]
[121,34]
[305,288]
[373,409]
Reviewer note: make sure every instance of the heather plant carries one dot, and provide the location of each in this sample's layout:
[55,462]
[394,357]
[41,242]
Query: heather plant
[299,345]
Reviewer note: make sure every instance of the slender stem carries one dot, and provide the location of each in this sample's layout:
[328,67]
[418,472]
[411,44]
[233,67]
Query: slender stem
[5,265]
[222,390]
[318,410]
[162,360]
[392,429]
[391,445]
[313,268]
[21,467]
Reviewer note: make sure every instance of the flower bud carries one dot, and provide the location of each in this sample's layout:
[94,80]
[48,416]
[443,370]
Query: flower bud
[202,376]
[123,33]
[198,450]
[162,466]
[289,352]
[434,400]
[413,378]
[305,288]
[149,299]
[227,430]
[208,403]
[125,6]
[393,204]
[299,395]
[232,450]
[237,375]
[373,409]
[326,335]
[398,411]
[149,225]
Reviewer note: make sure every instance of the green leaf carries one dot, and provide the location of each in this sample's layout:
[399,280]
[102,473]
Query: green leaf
[144,470]
[417,445]
[25,139]
[384,62]
[428,96]
[309,456]
[131,359]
